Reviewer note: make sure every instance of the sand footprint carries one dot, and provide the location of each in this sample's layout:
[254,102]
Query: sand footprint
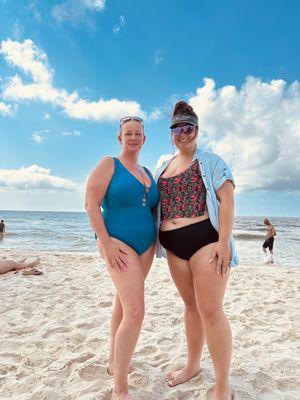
[107,394]
[164,341]
[106,303]
[52,331]
[86,325]
[147,350]
[22,332]
[60,365]
[91,372]
[9,358]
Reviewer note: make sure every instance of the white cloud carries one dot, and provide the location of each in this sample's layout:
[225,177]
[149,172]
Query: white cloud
[27,57]
[101,110]
[120,25]
[5,109]
[34,177]
[155,114]
[37,138]
[75,11]
[255,128]
[31,60]
[159,56]
[16,90]
[69,133]
[96,5]
[17,30]
[32,8]
[46,116]
[40,136]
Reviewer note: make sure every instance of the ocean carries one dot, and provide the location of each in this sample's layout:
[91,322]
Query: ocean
[71,232]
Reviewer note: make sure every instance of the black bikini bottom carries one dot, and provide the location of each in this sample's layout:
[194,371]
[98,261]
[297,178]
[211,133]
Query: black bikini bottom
[185,241]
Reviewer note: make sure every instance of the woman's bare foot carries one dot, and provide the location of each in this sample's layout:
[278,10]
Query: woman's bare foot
[110,369]
[223,393]
[33,264]
[174,378]
[24,265]
[120,396]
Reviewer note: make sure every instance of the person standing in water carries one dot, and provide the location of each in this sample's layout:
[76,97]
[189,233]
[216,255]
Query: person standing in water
[2,228]
[269,241]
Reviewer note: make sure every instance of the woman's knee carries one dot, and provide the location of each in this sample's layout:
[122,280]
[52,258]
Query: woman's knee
[134,315]
[190,305]
[211,313]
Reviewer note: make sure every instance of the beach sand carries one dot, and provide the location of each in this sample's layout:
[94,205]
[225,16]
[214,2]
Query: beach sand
[55,331]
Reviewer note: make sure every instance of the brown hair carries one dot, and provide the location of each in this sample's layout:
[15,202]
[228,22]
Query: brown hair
[182,107]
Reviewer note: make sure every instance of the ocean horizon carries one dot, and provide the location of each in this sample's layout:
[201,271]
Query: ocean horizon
[70,231]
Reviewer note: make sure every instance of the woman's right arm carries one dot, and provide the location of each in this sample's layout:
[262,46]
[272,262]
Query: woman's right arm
[96,188]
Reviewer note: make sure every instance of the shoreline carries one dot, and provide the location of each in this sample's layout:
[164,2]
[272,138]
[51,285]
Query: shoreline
[55,331]
[20,253]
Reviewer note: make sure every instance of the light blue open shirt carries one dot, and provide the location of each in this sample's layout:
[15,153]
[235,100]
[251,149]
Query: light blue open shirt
[214,172]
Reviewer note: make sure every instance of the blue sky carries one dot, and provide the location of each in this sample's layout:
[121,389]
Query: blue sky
[70,68]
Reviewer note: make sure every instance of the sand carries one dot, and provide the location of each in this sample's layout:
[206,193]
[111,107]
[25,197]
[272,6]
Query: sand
[55,331]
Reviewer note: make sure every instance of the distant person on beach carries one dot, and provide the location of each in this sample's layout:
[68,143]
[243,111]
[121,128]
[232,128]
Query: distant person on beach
[126,232]
[11,265]
[196,219]
[2,228]
[269,241]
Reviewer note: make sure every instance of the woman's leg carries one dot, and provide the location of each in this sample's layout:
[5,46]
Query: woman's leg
[146,260]
[182,277]
[209,291]
[130,289]
[116,318]
[11,265]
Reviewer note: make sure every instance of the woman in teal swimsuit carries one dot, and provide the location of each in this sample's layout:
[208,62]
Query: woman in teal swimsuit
[126,232]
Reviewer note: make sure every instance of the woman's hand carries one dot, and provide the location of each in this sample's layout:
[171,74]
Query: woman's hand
[114,255]
[221,252]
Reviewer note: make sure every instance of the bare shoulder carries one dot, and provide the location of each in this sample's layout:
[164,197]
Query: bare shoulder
[105,165]
[107,162]
[103,171]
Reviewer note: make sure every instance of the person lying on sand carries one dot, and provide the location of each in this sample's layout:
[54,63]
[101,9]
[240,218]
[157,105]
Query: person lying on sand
[27,267]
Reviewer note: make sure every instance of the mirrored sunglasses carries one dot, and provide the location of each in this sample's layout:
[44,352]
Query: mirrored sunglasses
[186,129]
[130,118]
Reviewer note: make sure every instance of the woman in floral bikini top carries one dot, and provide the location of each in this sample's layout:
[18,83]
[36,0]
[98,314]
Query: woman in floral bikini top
[183,195]
[198,252]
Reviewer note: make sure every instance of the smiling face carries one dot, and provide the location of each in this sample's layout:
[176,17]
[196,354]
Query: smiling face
[184,141]
[132,136]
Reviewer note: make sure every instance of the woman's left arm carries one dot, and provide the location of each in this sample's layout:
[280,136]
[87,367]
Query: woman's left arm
[226,212]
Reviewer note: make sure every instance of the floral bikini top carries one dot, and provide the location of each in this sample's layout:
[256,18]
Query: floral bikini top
[183,195]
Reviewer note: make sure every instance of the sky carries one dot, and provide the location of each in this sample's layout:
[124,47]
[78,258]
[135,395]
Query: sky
[69,69]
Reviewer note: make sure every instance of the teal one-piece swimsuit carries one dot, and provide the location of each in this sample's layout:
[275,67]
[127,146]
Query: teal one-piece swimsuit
[128,209]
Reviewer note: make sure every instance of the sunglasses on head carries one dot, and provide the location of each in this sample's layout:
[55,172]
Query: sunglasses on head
[131,118]
[186,129]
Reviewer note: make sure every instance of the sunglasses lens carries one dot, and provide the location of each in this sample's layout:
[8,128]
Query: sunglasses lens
[129,118]
[187,130]
[176,131]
